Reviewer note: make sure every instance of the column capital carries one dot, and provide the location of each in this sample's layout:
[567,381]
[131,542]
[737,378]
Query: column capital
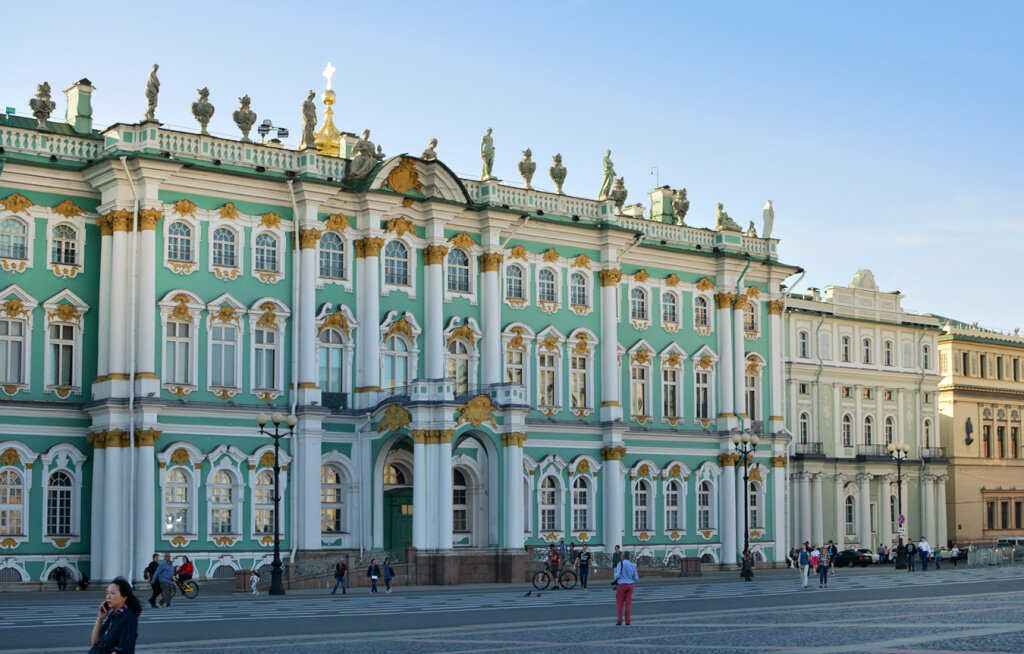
[106,227]
[610,277]
[98,439]
[613,453]
[148,219]
[775,307]
[119,219]
[308,238]
[728,460]
[778,462]
[863,477]
[369,247]
[491,261]
[840,478]
[724,300]
[513,439]
[434,254]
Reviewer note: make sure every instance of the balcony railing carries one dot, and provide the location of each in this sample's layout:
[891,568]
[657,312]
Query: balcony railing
[808,448]
[872,450]
[933,453]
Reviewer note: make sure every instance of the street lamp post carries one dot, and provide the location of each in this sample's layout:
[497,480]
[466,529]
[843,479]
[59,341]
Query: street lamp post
[899,454]
[276,583]
[745,445]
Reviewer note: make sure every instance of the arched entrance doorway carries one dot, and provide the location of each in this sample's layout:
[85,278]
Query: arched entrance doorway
[475,491]
[396,483]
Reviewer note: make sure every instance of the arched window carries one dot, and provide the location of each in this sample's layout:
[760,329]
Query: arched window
[458,366]
[546,286]
[851,516]
[13,239]
[393,476]
[177,501]
[580,504]
[926,360]
[396,264]
[549,518]
[928,433]
[58,504]
[224,251]
[460,509]
[578,290]
[62,355]
[458,272]
[263,501]
[12,503]
[705,514]
[331,360]
[866,347]
[222,503]
[266,253]
[887,353]
[514,283]
[64,246]
[803,345]
[673,506]
[642,506]
[12,349]
[179,241]
[890,430]
[331,500]
[869,425]
[700,312]
[638,304]
[395,359]
[749,318]
[805,429]
[844,349]
[332,256]
[755,512]
[847,431]
[669,308]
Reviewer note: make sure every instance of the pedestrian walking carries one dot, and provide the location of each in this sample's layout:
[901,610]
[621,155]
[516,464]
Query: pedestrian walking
[805,564]
[923,550]
[340,576]
[748,566]
[373,572]
[938,557]
[584,562]
[61,575]
[389,574]
[616,556]
[824,565]
[832,551]
[117,620]
[625,576]
[150,575]
[815,556]
[254,579]
[911,551]
[954,554]
[165,575]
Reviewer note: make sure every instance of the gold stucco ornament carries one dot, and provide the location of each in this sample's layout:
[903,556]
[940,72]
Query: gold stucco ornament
[477,411]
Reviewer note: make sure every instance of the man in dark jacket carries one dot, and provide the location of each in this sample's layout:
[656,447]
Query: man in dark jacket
[150,576]
[340,576]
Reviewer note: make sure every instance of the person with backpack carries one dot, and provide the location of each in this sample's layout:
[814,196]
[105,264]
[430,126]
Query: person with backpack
[805,563]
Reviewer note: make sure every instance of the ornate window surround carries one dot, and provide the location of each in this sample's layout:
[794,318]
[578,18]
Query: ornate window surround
[551,341]
[227,458]
[67,458]
[520,336]
[260,460]
[473,255]
[679,473]
[347,328]
[349,256]
[62,316]
[705,360]
[412,337]
[470,333]
[675,357]
[183,306]
[191,464]
[78,224]
[274,317]
[192,264]
[642,355]
[583,342]
[225,310]
[414,247]
[524,267]
[349,498]
[21,265]
[227,272]
[23,467]
[21,307]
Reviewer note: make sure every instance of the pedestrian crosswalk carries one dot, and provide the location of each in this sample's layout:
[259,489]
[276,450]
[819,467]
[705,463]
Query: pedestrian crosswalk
[211,609]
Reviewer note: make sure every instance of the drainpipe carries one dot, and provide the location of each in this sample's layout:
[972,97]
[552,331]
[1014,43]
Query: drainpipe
[294,387]
[732,340]
[133,277]
[522,223]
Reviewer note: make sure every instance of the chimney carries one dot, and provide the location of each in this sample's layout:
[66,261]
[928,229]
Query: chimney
[661,205]
[79,115]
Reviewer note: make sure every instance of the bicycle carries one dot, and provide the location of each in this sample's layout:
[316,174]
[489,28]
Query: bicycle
[189,588]
[566,579]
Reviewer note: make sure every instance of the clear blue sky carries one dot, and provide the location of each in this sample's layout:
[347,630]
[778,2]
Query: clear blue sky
[888,135]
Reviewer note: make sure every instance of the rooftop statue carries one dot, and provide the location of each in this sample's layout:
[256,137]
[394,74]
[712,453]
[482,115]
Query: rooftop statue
[152,91]
[203,110]
[527,167]
[429,154]
[723,222]
[487,154]
[618,193]
[769,220]
[244,117]
[609,177]
[364,157]
[42,106]
[751,230]
[308,122]
[680,205]
[557,172]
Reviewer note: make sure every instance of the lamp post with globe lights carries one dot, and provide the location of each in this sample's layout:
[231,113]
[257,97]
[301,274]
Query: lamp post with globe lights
[899,453]
[745,445]
[276,583]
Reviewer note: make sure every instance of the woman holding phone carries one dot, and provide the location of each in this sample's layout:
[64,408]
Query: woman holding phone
[117,620]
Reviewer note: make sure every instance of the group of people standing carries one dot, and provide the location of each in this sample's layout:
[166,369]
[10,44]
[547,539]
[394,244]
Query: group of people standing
[375,572]
[821,560]
[579,560]
[161,577]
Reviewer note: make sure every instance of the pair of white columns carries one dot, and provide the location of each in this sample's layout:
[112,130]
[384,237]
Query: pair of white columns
[432,489]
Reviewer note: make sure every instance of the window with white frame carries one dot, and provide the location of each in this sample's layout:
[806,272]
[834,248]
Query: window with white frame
[825,346]
[61,369]
[845,349]
[749,318]
[395,360]
[805,429]
[869,425]
[514,282]
[265,364]
[460,507]
[223,353]
[851,516]
[64,246]
[225,248]
[12,351]
[458,271]
[926,360]
[331,360]
[547,291]
[642,506]
[866,351]
[928,434]
[751,392]
[908,357]
[332,256]
[13,239]
[700,312]
[266,253]
[59,495]
[887,354]
[674,505]
[179,241]
[755,513]
[578,373]
[12,503]
[177,353]
[671,392]
[578,290]
[580,503]
[639,382]
[803,349]
[847,431]
[263,503]
[514,365]
[222,507]
[893,513]
[547,368]
[458,366]
[177,501]
[548,500]
[332,507]
[890,430]
[637,304]
[705,508]
[669,308]
[396,264]
[702,393]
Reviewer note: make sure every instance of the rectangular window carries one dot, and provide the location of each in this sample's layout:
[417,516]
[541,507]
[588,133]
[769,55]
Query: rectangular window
[638,375]
[990,515]
[670,392]
[965,370]
[672,507]
[986,441]
[1004,515]
[459,521]
[265,367]
[805,389]
[1000,437]
[867,393]
[578,382]
[1017,514]
[751,397]
[58,511]
[702,392]
[847,391]
[1014,443]
[62,355]
[579,508]
[12,345]
[888,395]
[546,380]
[984,370]
[221,521]
[514,366]
[222,367]
[179,342]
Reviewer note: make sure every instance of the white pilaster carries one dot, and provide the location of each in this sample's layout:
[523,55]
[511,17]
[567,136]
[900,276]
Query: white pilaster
[513,504]
[779,512]
[611,395]
[433,313]
[739,375]
[368,335]
[817,510]
[444,491]
[928,507]
[145,503]
[118,319]
[884,525]
[864,508]
[804,482]
[840,510]
[309,375]
[103,326]
[145,305]
[612,486]
[942,532]
[490,316]
[96,522]
[775,366]
[725,367]
[420,539]
[306,459]
[114,549]
[728,510]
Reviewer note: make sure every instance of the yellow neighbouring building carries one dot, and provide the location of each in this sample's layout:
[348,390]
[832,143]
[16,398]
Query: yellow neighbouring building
[981,400]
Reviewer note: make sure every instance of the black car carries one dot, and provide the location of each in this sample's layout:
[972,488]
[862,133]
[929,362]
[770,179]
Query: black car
[851,558]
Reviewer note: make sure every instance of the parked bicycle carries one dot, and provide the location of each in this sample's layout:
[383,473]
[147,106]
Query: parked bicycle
[187,587]
[543,579]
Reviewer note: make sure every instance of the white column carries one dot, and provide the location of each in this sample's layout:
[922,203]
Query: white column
[804,517]
[728,508]
[113,514]
[145,501]
[884,526]
[513,504]
[840,510]
[490,316]
[739,375]
[145,306]
[779,508]
[928,508]
[420,477]
[309,375]
[775,366]
[817,511]
[942,532]
[611,403]
[96,522]
[433,312]
[444,491]
[612,488]
[103,326]
[725,369]
[118,319]
[739,511]
[307,451]
[858,419]
[864,506]
[368,347]
[900,422]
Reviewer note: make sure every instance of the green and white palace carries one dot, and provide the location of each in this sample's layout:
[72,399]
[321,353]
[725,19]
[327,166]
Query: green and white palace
[475,367]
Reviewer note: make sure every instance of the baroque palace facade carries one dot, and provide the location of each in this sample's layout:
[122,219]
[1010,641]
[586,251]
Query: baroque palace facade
[860,374]
[474,366]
